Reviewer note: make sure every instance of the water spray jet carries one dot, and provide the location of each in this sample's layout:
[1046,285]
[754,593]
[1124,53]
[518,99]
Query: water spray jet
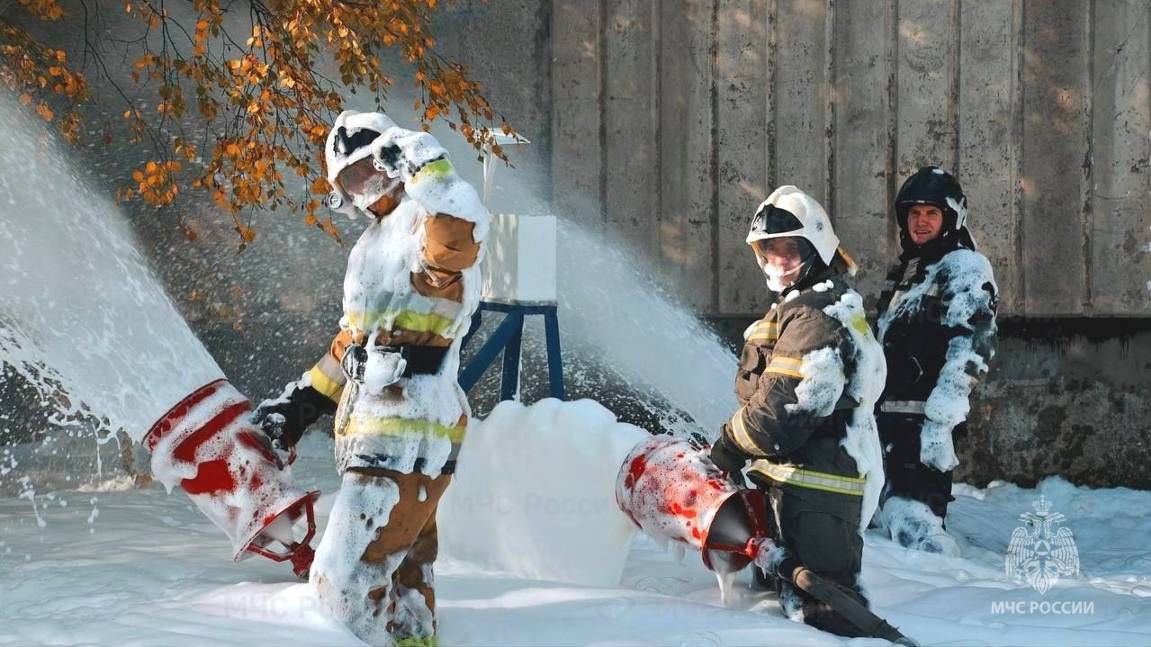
[84,318]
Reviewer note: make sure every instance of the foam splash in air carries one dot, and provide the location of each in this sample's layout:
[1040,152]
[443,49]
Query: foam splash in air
[609,303]
[84,324]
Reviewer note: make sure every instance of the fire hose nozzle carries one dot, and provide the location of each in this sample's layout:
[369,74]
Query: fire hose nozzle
[206,446]
[671,489]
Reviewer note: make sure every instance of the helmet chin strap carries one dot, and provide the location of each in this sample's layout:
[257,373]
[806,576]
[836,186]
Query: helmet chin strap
[778,281]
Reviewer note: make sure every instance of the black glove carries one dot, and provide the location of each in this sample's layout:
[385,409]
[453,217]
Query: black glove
[728,458]
[286,418]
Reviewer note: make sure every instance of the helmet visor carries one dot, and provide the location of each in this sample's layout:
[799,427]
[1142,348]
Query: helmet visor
[773,221]
[361,178]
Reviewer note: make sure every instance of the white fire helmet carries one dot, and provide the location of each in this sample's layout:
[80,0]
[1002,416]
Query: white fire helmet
[350,141]
[791,212]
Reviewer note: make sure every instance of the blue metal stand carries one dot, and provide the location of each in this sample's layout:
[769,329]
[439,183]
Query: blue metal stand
[507,339]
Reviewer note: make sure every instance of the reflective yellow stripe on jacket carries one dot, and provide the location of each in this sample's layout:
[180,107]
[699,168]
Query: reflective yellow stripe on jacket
[792,475]
[763,331]
[788,366]
[328,378]
[432,322]
[740,435]
[367,425]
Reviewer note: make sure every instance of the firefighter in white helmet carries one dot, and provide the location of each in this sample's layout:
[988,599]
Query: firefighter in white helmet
[809,375]
[390,375]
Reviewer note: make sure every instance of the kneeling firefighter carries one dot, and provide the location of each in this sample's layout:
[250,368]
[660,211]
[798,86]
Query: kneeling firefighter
[809,375]
[411,286]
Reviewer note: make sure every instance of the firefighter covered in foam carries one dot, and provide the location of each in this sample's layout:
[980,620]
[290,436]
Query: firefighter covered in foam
[809,376]
[390,375]
[936,320]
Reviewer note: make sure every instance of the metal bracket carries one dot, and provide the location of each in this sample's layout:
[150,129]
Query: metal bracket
[507,338]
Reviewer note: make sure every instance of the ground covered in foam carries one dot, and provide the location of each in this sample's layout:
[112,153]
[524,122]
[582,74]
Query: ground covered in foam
[138,567]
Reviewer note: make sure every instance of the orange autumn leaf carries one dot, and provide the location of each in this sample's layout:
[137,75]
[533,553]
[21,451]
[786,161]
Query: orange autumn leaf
[256,93]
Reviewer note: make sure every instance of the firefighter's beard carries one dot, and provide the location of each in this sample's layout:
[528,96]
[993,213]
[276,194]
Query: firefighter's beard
[374,188]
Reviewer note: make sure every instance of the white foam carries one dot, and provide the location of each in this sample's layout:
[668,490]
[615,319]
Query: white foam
[822,384]
[867,384]
[610,306]
[80,311]
[534,495]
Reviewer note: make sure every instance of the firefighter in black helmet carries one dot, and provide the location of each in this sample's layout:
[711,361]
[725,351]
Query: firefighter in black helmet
[936,321]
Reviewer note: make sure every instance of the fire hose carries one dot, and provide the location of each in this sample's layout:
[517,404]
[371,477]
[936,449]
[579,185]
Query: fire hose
[844,604]
[670,489]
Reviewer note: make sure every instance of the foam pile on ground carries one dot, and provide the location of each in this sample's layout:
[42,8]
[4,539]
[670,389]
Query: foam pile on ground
[534,494]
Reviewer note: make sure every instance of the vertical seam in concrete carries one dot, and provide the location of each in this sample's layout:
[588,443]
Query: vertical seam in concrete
[656,106]
[829,108]
[601,106]
[772,87]
[545,87]
[892,121]
[956,81]
[1019,96]
[713,163]
[1088,191]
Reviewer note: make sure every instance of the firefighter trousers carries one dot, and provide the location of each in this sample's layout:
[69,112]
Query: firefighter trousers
[373,568]
[821,529]
[907,476]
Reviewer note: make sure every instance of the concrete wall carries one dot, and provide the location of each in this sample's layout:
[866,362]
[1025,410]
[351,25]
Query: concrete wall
[673,119]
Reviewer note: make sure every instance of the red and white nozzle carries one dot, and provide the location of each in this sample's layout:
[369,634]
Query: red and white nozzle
[671,490]
[206,445]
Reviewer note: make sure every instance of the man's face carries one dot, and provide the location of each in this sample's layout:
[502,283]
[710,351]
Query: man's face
[783,254]
[368,187]
[356,178]
[782,260]
[924,223]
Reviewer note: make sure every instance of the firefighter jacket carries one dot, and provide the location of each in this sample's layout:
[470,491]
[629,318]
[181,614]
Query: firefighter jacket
[809,374]
[412,284]
[936,321]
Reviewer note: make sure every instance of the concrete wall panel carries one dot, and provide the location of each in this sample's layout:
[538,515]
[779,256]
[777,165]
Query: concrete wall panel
[927,79]
[631,119]
[864,81]
[743,71]
[989,126]
[1056,110]
[801,96]
[687,150]
[576,109]
[1120,209]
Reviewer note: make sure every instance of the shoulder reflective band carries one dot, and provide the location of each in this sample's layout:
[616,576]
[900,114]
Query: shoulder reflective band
[741,437]
[764,330]
[792,475]
[903,406]
[788,366]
